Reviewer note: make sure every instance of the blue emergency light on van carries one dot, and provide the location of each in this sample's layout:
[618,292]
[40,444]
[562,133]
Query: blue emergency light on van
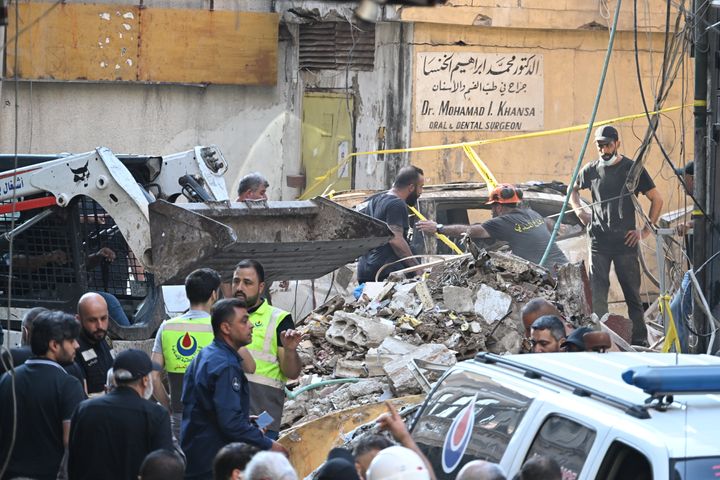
[675,379]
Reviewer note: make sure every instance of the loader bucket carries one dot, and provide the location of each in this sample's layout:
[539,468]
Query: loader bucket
[293,240]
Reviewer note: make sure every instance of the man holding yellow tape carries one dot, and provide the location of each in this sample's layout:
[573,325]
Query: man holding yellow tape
[524,229]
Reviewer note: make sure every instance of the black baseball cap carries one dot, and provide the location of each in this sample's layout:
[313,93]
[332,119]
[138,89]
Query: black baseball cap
[576,338]
[136,362]
[607,133]
[688,169]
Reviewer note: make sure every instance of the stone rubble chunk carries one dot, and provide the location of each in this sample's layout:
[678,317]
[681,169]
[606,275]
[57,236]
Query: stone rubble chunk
[458,299]
[354,332]
[346,368]
[401,374]
[491,304]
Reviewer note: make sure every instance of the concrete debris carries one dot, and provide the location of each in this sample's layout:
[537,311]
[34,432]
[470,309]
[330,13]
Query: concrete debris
[354,332]
[461,307]
[403,374]
[491,304]
[458,299]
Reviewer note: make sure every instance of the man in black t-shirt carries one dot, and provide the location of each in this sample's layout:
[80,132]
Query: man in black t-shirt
[112,434]
[391,208]
[613,234]
[524,229]
[94,357]
[46,396]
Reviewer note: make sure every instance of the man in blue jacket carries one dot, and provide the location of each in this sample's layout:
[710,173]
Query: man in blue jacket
[216,395]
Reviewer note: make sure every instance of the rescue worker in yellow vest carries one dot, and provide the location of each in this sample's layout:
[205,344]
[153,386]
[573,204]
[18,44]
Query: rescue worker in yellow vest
[179,340]
[274,344]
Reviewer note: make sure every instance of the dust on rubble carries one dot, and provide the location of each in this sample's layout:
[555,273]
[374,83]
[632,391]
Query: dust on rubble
[400,335]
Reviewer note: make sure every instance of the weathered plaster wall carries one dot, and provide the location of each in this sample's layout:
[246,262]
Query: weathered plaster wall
[572,65]
[256,127]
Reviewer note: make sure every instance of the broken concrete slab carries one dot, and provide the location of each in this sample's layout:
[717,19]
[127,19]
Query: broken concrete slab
[346,368]
[491,304]
[458,299]
[354,332]
[401,372]
[573,290]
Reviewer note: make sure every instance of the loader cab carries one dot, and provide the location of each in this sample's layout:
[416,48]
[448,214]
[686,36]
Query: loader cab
[59,257]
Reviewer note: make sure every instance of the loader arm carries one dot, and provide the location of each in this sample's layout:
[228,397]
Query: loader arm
[99,175]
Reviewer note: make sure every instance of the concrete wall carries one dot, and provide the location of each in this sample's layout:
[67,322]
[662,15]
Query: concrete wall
[571,37]
[257,128]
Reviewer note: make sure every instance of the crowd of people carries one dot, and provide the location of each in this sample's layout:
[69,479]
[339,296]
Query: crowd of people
[208,401]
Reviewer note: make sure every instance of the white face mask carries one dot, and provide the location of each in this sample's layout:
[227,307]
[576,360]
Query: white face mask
[148,390]
[609,161]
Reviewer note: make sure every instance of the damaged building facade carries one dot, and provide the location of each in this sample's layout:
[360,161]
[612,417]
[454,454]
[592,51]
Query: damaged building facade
[318,83]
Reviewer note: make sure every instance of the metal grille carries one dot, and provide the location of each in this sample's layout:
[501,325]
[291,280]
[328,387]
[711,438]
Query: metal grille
[56,259]
[123,277]
[337,46]
[42,259]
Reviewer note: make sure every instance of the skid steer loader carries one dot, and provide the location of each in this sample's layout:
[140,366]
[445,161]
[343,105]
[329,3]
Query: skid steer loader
[162,217]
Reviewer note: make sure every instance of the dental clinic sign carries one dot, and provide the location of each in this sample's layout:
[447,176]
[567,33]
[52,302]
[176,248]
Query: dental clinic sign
[478,91]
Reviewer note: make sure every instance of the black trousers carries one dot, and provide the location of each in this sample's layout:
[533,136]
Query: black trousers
[627,269]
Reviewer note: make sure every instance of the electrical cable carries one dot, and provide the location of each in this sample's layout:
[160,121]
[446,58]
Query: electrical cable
[653,126]
[576,170]
[13,200]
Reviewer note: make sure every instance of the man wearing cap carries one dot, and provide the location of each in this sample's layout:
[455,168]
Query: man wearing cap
[524,229]
[216,394]
[575,341]
[613,233]
[110,435]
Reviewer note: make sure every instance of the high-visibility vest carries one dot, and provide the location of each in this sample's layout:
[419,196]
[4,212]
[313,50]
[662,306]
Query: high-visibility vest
[264,348]
[182,339]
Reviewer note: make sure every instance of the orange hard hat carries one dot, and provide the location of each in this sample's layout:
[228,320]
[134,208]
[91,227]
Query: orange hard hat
[505,193]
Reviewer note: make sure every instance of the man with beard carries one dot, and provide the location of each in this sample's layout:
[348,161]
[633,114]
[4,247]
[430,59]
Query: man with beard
[44,399]
[613,234]
[524,229]
[391,208]
[274,344]
[95,356]
[124,417]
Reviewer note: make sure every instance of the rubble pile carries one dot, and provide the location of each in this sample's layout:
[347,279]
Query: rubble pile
[400,335]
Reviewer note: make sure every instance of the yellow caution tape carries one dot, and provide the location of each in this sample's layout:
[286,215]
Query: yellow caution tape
[671,337]
[482,169]
[576,128]
[440,236]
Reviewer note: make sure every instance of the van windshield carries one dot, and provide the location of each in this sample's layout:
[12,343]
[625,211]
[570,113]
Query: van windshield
[695,468]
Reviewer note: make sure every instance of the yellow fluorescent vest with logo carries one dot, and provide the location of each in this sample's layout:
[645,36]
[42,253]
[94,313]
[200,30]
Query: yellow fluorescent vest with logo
[264,346]
[182,340]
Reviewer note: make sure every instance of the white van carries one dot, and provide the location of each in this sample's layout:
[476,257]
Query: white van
[609,416]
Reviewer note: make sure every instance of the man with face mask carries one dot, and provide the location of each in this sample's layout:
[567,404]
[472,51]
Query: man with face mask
[95,356]
[112,434]
[524,229]
[613,232]
[391,208]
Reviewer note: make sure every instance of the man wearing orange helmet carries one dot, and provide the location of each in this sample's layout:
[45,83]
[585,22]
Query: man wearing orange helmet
[523,228]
